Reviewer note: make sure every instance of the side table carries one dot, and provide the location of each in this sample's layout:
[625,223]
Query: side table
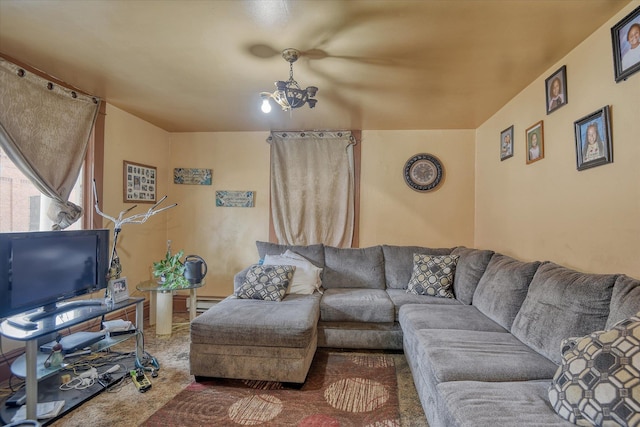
[161,299]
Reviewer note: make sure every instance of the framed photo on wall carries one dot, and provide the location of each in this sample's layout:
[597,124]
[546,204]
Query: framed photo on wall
[625,36]
[119,290]
[506,143]
[139,183]
[535,142]
[593,139]
[556,89]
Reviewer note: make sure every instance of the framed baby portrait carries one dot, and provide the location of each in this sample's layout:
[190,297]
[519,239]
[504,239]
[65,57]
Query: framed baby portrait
[506,143]
[593,139]
[535,142]
[625,36]
[556,89]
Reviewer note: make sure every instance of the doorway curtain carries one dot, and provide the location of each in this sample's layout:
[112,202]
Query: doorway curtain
[313,187]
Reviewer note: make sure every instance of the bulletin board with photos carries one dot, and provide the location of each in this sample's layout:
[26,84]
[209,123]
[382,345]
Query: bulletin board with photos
[139,183]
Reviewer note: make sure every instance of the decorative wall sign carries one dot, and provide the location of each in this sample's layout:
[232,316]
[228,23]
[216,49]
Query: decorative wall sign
[192,176]
[423,172]
[139,183]
[234,199]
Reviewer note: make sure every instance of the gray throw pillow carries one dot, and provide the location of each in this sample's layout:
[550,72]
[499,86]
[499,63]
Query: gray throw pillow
[433,275]
[625,299]
[398,262]
[266,282]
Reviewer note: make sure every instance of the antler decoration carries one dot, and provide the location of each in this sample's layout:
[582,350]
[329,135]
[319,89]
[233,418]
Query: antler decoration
[114,262]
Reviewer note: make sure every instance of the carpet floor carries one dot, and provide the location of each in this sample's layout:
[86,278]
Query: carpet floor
[124,406]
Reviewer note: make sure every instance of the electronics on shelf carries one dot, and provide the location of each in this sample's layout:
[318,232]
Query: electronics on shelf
[42,269]
[75,342]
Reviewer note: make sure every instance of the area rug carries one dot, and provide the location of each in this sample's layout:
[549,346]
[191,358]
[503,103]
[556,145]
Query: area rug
[341,390]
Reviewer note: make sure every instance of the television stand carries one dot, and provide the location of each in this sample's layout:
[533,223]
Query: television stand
[32,369]
[29,321]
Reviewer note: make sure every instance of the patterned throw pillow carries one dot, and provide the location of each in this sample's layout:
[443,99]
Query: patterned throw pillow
[266,282]
[433,275]
[598,382]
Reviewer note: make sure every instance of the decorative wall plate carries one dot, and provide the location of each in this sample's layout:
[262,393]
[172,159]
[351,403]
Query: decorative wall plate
[423,172]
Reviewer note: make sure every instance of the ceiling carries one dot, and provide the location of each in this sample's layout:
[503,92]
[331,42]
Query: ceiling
[199,66]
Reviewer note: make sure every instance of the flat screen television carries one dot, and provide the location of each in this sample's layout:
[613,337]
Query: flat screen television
[44,268]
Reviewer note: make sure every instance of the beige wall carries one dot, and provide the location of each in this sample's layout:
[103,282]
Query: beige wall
[588,220]
[129,138]
[390,211]
[393,213]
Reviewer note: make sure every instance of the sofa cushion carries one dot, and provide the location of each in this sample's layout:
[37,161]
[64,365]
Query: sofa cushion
[291,322]
[266,282]
[598,379]
[503,288]
[314,253]
[625,300]
[562,303]
[398,262]
[356,305]
[457,355]
[306,278]
[471,266]
[353,268]
[432,275]
[414,317]
[491,404]
[400,297]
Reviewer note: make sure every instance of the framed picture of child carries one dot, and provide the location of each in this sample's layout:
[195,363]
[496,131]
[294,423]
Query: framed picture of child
[593,139]
[506,143]
[625,36]
[535,142]
[556,89]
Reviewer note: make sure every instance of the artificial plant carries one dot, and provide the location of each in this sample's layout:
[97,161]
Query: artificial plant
[170,271]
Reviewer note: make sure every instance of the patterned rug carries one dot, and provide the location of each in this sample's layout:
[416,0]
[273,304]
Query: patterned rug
[340,390]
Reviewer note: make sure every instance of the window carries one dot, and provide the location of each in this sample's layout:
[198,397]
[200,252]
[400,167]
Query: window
[22,206]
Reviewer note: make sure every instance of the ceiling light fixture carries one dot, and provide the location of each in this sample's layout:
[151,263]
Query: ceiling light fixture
[288,94]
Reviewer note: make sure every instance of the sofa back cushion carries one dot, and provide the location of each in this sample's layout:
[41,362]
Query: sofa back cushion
[562,303]
[625,299]
[503,287]
[353,268]
[398,263]
[314,253]
[471,266]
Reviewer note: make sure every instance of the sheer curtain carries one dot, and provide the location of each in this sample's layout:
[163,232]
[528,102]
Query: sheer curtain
[44,129]
[313,187]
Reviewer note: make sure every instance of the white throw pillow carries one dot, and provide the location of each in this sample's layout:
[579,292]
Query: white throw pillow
[306,278]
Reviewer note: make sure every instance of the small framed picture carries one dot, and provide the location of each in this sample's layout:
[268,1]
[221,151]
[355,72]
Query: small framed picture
[139,183]
[625,36]
[593,139]
[506,143]
[535,142]
[118,289]
[556,89]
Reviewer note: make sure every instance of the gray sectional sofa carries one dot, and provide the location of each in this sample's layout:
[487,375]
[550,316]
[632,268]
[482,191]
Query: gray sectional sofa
[483,358]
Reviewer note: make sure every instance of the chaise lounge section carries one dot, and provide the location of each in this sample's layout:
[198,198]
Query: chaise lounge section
[484,355]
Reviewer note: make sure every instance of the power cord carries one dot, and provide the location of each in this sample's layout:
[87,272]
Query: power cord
[89,378]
